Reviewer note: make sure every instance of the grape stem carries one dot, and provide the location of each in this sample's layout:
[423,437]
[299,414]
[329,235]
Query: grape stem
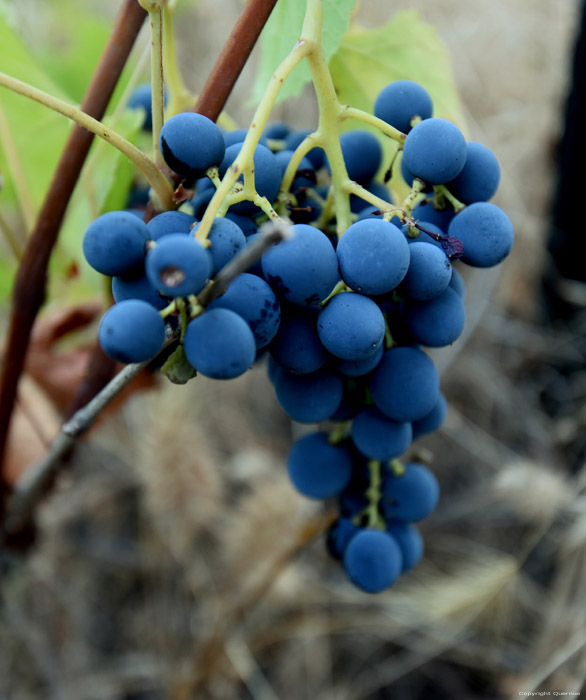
[14,166]
[244,160]
[443,191]
[373,494]
[153,174]
[180,98]
[387,129]
[155,10]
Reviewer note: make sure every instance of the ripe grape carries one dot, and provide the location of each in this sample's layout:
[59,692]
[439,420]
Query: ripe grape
[131,331]
[219,344]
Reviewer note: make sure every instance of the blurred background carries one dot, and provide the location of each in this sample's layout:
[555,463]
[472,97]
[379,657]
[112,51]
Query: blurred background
[175,559]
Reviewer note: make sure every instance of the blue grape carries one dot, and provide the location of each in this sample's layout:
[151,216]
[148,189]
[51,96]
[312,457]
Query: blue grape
[426,211]
[339,535]
[405,385]
[238,136]
[373,561]
[219,344]
[358,368]
[137,287]
[191,143]
[351,326]
[486,233]
[114,243]
[169,222]
[400,101]
[178,265]
[253,299]
[256,267]
[428,233]
[297,346]
[315,155]
[411,496]
[353,397]
[438,322]
[362,154]
[204,183]
[305,165]
[131,331]
[372,212]
[199,202]
[435,151]
[303,269]
[226,240]
[379,437]
[267,175]
[429,272]
[277,131]
[318,469]
[458,284]
[410,543]
[479,179]
[247,225]
[409,177]
[373,256]
[433,420]
[309,398]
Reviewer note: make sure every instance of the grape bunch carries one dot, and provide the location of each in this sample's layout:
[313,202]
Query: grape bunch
[344,321]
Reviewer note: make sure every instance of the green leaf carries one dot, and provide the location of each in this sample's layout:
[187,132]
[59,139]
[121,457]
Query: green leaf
[38,134]
[406,48]
[281,34]
[7,272]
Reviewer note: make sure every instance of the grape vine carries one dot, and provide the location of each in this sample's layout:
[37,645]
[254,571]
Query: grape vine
[286,244]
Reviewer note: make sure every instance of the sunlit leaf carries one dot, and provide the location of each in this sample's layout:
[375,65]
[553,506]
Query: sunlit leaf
[282,32]
[406,48]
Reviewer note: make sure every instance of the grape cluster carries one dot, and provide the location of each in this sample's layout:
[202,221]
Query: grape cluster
[344,322]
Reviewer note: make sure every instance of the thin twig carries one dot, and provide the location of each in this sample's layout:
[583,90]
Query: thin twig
[231,61]
[29,290]
[273,233]
[35,480]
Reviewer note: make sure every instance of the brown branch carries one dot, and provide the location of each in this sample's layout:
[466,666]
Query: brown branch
[29,289]
[234,55]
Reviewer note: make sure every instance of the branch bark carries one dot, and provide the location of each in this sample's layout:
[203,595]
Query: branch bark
[233,57]
[29,289]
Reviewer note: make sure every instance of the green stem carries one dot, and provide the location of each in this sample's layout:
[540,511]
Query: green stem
[259,122]
[328,131]
[411,199]
[397,467]
[14,165]
[340,287]
[374,495]
[354,188]
[387,129]
[180,98]
[155,177]
[157,80]
[339,433]
[444,192]
[13,243]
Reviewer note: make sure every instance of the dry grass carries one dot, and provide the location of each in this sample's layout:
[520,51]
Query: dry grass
[187,567]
